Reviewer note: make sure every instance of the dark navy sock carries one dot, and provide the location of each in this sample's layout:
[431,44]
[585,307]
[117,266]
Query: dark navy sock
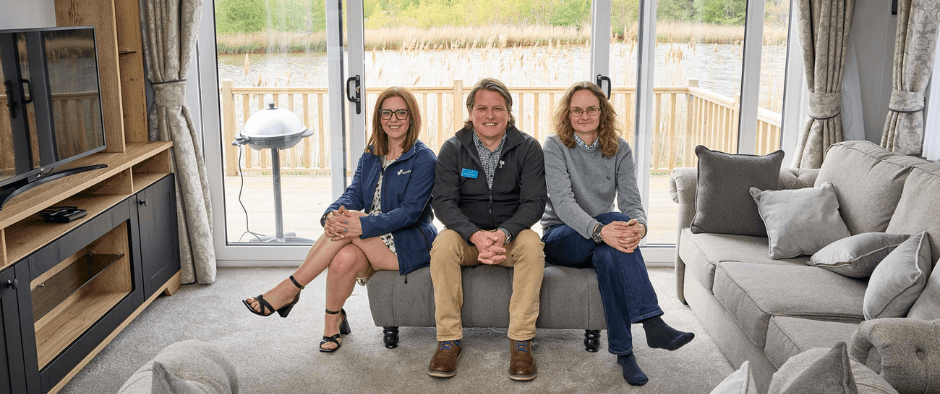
[660,335]
[631,371]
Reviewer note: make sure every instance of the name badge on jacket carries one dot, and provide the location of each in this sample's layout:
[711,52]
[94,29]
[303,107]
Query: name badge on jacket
[468,173]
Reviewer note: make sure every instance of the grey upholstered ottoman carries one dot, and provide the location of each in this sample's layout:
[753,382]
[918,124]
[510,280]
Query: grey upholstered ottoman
[569,300]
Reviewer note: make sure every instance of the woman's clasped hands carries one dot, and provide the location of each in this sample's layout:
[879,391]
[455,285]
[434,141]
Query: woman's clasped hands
[623,236]
[343,223]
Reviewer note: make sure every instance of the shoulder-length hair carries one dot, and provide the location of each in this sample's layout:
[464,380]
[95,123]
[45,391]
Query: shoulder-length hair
[493,85]
[608,130]
[379,140]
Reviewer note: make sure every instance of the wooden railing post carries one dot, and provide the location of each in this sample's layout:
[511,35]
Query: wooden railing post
[458,106]
[228,129]
[733,129]
[687,153]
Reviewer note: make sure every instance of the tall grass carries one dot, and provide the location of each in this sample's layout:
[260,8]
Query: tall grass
[704,33]
[497,36]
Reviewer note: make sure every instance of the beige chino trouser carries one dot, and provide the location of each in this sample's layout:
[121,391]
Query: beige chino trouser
[524,254]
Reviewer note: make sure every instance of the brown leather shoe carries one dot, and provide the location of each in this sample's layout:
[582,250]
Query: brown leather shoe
[444,362]
[521,363]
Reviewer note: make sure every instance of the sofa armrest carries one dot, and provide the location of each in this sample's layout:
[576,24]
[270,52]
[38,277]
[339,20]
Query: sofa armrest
[905,352]
[682,184]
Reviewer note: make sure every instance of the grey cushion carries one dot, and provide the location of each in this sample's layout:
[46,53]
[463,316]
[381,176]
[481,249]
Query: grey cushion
[752,293]
[702,253]
[858,255]
[918,209]
[185,367]
[827,371]
[722,202]
[927,306]
[898,281]
[801,221]
[739,382]
[789,336]
[569,298]
[829,374]
[866,182]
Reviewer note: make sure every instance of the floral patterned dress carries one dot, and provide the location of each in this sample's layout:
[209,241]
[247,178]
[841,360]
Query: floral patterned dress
[377,205]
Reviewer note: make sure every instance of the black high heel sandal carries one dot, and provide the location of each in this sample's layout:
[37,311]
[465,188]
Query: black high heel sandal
[265,306]
[343,330]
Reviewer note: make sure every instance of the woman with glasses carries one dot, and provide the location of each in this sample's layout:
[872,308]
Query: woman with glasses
[381,222]
[587,166]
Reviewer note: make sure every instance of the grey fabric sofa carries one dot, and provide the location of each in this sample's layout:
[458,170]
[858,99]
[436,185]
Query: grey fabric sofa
[767,311]
[569,299]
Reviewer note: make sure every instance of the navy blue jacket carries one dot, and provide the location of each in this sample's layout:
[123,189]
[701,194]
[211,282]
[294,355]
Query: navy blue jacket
[406,203]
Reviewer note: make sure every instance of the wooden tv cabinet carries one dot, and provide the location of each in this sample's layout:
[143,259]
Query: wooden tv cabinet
[67,289]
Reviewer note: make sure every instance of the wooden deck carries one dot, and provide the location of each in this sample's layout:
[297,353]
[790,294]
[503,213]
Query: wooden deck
[305,197]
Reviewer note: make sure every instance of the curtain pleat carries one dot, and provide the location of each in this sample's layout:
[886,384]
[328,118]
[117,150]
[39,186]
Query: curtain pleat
[169,35]
[824,27]
[914,52]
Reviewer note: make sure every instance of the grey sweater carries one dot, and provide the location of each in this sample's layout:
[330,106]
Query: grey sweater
[582,184]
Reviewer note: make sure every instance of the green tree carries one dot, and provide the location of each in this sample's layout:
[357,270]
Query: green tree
[721,12]
[675,10]
[377,18]
[571,13]
[239,16]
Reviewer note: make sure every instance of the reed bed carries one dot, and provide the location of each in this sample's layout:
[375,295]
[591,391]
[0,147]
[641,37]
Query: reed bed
[497,36]
[703,33]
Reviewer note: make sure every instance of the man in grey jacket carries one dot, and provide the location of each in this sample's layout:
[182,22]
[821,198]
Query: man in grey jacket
[489,190]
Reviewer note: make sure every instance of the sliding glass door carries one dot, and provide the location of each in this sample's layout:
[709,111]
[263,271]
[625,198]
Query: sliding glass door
[680,73]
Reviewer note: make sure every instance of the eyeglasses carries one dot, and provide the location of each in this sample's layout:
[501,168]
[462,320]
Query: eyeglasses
[591,111]
[386,114]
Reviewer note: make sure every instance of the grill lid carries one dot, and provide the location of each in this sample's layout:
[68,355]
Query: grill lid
[272,127]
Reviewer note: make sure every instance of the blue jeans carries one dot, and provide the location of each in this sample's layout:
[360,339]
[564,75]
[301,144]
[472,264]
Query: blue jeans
[625,287]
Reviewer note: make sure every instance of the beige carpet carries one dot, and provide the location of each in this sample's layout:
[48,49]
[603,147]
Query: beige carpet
[275,355]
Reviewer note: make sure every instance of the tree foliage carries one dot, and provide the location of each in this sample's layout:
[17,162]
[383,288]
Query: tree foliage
[721,12]
[251,16]
[239,16]
[248,16]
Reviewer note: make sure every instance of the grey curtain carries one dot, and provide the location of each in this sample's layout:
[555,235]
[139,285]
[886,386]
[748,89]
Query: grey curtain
[914,50]
[824,33]
[169,34]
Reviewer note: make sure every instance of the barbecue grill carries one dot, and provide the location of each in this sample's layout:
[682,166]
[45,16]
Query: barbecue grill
[274,128]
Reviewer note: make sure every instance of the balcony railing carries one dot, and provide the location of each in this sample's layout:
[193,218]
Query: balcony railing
[684,116]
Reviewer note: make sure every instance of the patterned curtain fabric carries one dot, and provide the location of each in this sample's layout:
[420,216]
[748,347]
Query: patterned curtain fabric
[169,35]
[824,29]
[914,51]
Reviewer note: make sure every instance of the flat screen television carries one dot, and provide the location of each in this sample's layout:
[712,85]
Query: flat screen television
[50,106]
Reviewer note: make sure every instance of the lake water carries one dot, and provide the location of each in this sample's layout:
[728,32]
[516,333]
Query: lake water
[716,67]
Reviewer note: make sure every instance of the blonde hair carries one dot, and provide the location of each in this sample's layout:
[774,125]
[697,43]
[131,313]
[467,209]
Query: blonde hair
[608,130]
[379,140]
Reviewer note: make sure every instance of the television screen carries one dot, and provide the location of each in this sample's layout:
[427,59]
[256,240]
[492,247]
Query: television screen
[17,125]
[72,69]
[50,107]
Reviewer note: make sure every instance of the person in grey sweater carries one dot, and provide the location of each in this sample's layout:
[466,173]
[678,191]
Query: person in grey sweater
[587,166]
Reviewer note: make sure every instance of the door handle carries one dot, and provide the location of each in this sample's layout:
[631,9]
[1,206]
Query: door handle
[11,104]
[600,83]
[143,202]
[12,283]
[29,89]
[357,98]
